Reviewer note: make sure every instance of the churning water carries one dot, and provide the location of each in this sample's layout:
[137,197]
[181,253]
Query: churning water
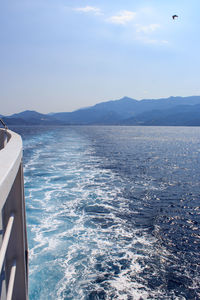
[113,212]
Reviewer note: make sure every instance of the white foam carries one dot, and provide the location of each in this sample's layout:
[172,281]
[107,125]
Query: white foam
[60,232]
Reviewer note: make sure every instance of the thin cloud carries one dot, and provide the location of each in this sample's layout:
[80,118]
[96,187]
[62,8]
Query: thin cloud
[149,41]
[123,17]
[144,34]
[147,29]
[165,42]
[89,9]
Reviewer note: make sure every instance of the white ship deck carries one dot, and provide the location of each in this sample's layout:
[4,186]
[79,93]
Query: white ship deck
[13,238]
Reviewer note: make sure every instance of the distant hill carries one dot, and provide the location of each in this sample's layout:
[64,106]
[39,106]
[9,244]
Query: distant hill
[125,110]
[182,115]
[30,117]
[172,111]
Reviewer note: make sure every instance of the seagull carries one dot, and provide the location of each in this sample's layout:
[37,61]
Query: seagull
[174,17]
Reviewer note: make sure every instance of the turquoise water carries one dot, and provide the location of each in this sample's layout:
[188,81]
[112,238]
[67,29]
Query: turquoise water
[112,212]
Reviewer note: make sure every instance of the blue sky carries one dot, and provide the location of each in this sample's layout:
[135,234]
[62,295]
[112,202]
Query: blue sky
[58,55]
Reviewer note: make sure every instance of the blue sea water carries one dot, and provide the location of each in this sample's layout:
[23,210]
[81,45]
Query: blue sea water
[112,212]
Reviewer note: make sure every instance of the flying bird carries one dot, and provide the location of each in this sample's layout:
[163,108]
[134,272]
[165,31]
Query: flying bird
[174,17]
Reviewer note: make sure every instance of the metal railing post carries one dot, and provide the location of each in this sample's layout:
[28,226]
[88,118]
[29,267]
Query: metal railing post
[6,240]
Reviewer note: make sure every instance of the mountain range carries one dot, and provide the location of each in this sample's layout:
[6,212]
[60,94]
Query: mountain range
[172,111]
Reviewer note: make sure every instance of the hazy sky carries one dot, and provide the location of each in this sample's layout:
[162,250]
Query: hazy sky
[60,55]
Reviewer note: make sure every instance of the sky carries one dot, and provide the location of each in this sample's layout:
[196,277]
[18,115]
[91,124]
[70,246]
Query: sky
[61,55]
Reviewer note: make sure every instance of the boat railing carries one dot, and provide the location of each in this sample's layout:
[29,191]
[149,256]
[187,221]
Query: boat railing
[13,236]
[4,138]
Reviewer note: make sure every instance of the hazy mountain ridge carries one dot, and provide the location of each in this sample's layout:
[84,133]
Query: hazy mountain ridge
[172,111]
[30,117]
[181,115]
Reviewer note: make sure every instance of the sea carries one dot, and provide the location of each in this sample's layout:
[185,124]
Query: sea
[113,212]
